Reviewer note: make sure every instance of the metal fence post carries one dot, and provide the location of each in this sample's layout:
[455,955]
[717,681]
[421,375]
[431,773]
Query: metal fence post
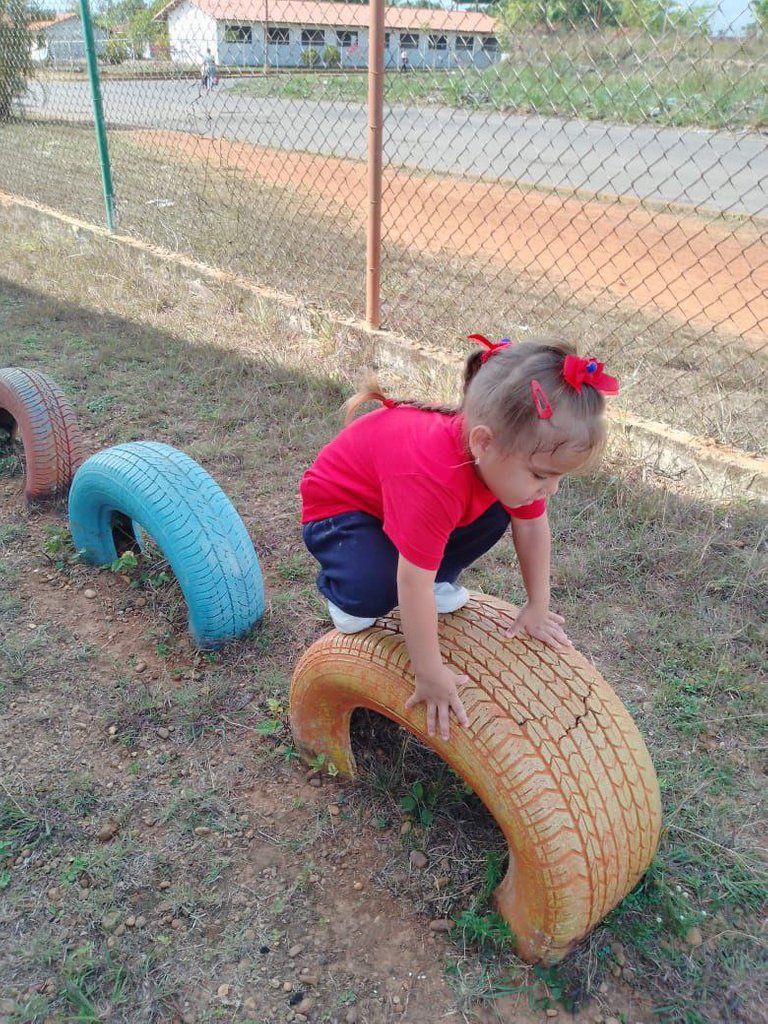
[375,136]
[98,113]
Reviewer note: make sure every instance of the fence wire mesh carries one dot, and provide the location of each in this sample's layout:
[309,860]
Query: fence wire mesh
[591,168]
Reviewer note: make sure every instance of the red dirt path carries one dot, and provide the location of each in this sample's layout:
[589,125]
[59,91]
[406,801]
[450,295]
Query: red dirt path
[713,275]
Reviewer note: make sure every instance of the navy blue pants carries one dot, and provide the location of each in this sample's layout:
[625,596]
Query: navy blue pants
[358,562]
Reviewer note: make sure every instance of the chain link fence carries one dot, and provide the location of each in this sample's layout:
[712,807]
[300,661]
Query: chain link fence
[591,168]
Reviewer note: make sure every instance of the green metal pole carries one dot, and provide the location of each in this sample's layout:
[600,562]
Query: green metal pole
[98,113]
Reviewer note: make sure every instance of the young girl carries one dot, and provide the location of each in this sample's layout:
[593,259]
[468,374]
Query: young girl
[406,497]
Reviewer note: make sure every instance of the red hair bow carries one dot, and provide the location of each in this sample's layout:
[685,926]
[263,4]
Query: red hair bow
[589,371]
[492,346]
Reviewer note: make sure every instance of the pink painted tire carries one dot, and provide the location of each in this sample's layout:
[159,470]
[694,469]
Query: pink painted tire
[550,750]
[34,409]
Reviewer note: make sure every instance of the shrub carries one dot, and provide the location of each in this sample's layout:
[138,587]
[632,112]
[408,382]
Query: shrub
[115,51]
[310,58]
[332,57]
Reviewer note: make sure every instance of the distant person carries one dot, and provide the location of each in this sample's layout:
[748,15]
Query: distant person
[208,72]
[404,60]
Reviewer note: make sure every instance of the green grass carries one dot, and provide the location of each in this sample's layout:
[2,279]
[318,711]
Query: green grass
[682,80]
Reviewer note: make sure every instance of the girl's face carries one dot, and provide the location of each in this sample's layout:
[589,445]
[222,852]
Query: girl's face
[517,478]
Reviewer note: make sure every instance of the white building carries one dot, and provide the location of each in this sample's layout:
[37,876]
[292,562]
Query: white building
[242,33]
[61,38]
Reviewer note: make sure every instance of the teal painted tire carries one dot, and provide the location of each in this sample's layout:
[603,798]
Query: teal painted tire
[172,498]
[35,409]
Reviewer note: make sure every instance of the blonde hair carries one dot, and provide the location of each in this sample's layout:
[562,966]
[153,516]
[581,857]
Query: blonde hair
[497,393]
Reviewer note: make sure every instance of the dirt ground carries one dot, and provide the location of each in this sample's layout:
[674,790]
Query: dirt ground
[702,273]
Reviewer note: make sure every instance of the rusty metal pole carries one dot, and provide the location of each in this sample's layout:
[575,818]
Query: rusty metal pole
[375,137]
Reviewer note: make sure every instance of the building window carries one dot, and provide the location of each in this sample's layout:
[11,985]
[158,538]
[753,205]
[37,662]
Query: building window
[465,44]
[490,44]
[278,36]
[437,43]
[386,40]
[312,37]
[346,39]
[409,40]
[238,34]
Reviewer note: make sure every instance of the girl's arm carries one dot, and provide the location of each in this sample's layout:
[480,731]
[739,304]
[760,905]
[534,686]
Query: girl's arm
[436,684]
[533,544]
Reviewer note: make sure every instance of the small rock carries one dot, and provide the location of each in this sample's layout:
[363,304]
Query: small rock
[90,594]
[551,1012]
[202,830]
[352,1015]
[442,882]
[357,886]
[287,986]
[334,810]
[418,859]
[295,950]
[112,730]
[316,781]
[108,831]
[222,991]
[406,827]
[274,983]
[694,937]
[163,733]
[139,667]
[109,921]
[306,1005]
[612,1020]
[310,979]
[441,924]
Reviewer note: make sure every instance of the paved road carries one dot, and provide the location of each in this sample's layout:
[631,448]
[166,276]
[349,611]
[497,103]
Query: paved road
[721,171]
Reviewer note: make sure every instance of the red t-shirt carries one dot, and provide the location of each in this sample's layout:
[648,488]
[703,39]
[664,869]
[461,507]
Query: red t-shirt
[409,468]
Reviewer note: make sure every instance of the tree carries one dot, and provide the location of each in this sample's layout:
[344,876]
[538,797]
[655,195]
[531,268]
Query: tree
[15,54]
[654,15]
[760,9]
[132,21]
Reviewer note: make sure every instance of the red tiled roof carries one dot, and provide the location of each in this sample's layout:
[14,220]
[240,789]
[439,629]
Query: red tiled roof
[322,12]
[39,26]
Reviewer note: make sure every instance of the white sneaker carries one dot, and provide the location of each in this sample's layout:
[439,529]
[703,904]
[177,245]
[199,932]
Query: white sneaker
[346,623]
[449,597]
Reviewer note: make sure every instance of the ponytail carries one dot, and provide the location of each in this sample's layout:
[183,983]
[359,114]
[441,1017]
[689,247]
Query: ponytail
[370,391]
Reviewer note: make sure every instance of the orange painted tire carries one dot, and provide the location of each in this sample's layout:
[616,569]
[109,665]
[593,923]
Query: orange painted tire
[35,409]
[550,750]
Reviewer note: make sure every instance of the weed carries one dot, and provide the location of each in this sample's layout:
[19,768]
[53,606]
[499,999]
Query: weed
[320,761]
[420,802]
[59,547]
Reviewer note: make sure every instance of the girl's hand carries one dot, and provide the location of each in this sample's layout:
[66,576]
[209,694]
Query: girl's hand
[439,691]
[542,623]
